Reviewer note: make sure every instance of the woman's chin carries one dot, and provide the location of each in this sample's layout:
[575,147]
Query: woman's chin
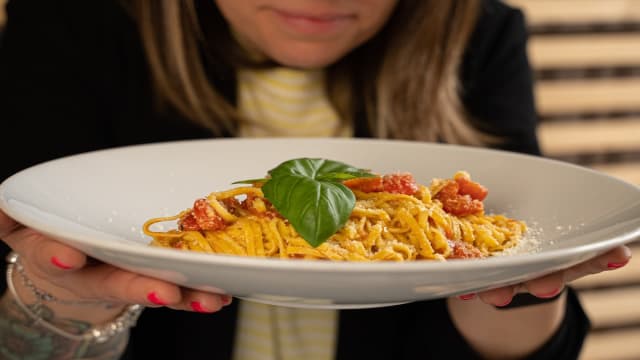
[305,59]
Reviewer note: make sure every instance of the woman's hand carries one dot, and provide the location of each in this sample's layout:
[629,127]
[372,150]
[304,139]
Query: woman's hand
[500,334]
[551,285]
[70,275]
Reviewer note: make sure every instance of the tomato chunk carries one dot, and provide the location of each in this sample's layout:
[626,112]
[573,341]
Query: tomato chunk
[471,188]
[202,217]
[188,223]
[399,183]
[458,204]
[463,250]
[365,184]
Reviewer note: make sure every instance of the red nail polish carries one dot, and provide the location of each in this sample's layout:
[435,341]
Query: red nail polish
[617,265]
[196,306]
[55,261]
[466,296]
[153,297]
[226,300]
[505,303]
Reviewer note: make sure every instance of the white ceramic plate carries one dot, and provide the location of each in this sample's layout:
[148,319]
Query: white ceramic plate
[98,202]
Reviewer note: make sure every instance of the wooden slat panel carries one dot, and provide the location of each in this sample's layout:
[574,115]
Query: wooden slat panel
[614,345]
[593,136]
[612,308]
[629,172]
[588,95]
[593,50]
[578,11]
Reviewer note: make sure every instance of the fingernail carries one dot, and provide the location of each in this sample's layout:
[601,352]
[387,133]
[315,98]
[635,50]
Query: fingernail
[196,306]
[617,265]
[55,261]
[549,294]
[466,296]
[505,303]
[226,300]
[154,298]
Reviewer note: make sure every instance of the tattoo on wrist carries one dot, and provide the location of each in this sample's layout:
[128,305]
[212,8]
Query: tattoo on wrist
[22,339]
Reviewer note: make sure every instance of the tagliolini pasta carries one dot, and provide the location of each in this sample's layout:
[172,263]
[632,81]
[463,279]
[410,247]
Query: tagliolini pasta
[394,219]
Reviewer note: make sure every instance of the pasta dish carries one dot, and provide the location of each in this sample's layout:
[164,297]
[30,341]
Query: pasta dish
[394,219]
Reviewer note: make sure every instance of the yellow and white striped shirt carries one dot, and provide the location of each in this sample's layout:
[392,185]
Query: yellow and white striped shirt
[285,102]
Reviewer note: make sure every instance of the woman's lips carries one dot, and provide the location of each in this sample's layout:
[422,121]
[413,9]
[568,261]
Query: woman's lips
[313,25]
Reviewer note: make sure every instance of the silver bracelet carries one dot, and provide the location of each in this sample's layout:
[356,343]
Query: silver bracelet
[97,334]
[42,295]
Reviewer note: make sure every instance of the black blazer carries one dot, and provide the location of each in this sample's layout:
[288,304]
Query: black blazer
[73,78]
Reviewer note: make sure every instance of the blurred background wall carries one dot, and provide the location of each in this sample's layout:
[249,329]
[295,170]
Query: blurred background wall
[586,57]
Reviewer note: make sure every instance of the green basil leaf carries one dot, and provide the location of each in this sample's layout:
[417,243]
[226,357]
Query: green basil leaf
[309,193]
[250,181]
[315,168]
[344,176]
[316,209]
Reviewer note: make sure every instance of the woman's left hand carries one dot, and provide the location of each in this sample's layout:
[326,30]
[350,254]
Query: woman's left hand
[474,314]
[550,285]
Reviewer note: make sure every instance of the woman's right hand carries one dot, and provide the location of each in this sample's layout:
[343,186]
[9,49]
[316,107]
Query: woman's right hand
[69,274]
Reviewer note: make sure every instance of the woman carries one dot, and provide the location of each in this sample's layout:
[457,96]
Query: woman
[78,76]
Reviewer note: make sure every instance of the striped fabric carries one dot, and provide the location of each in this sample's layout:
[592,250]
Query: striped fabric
[285,102]
[268,332]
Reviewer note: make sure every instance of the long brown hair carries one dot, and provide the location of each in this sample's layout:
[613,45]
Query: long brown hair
[406,78]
